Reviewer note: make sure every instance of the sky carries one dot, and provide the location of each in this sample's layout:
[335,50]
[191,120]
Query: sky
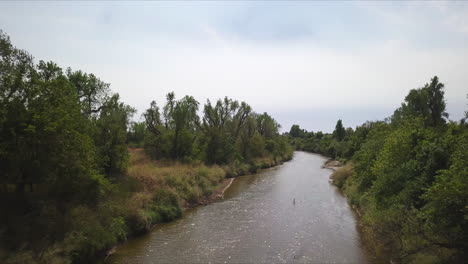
[304,62]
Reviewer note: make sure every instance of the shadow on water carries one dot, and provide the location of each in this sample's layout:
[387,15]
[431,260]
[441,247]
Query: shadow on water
[290,213]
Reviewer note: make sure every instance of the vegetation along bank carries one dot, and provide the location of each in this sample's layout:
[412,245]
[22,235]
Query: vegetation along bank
[406,175]
[70,187]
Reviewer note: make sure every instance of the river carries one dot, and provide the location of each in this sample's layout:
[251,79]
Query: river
[289,213]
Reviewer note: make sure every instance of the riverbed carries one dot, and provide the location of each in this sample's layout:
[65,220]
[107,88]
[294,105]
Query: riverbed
[289,213]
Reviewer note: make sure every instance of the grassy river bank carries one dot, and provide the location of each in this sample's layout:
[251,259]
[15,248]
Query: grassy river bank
[164,189]
[151,192]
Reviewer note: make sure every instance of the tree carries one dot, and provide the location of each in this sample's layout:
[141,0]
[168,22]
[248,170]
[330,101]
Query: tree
[175,137]
[153,119]
[111,136]
[182,119]
[155,143]
[427,102]
[339,133]
[267,126]
[49,70]
[319,134]
[246,135]
[136,133]
[222,124]
[436,102]
[92,92]
[447,198]
[240,117]
[296,131]
[43,137]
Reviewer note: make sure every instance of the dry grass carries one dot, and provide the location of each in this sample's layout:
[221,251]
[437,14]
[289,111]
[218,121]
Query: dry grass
[341,174]
[190,181]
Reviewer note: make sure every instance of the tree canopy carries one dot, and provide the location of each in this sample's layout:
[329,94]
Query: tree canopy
[408,177]
[65,190]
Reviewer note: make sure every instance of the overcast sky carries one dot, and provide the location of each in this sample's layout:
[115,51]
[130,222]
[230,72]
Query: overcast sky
[306,63]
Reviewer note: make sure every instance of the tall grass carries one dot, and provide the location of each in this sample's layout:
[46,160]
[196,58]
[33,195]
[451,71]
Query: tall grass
[166,187]
[340,175]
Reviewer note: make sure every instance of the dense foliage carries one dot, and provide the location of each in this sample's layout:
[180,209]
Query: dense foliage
[227,132]
[67,191]
[408,175]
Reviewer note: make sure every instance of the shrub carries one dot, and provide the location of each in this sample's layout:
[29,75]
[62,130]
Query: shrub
[166,204]
[341,174]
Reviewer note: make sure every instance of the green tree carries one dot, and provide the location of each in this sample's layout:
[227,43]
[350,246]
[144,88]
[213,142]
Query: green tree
[156,142]
[92,92]
[182,120]
[427,102]
[295,131]
[222,124]
[136,133]
[447,199]
[175,137]
[245,137]
[339,133]
[111,136]
[267,126]
[43,137]
[153,119]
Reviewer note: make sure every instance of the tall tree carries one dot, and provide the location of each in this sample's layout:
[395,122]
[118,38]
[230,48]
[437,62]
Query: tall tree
[43,140]
[92,92]
[153,119]
[427,102]
[154,142]
[222,124]
[175,137]
[436,102]
[339,133]
[295,131]
[182,119]
[267,126]
[111,136]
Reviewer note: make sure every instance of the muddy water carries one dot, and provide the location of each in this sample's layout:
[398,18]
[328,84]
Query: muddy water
[290,213]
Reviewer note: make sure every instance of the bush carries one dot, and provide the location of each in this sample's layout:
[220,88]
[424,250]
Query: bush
[166,204]
[341,174]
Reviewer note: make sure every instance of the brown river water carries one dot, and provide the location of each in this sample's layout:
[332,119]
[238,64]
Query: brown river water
[289,213]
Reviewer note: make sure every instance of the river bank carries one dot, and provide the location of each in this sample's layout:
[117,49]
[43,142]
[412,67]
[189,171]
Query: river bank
[377,251]
[217,194]
[332,164]
[166,189]
[258,222]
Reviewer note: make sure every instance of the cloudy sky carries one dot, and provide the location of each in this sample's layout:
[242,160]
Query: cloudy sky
[304,62]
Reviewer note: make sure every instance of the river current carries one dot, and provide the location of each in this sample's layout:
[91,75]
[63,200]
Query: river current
[289,213]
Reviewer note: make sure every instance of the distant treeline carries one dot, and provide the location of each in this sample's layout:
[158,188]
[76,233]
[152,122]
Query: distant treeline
[65,193]
[408,175]
[227,131]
